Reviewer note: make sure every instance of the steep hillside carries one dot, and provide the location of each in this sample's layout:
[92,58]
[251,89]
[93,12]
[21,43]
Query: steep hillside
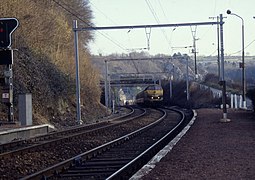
[160,68]
[207,69]
[44,63]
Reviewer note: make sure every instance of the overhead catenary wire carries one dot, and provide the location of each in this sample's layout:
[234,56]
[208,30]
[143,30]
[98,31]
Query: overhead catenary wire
[162,9]
[136,26]
[107,17]
[244,48]
[171,34]
[213,52]
[77,16]
[135,66]
[157,20]
[96,29]
[69,11]
[209,28]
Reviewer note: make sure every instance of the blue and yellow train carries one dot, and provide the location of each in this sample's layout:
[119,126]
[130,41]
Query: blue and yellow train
[151,95]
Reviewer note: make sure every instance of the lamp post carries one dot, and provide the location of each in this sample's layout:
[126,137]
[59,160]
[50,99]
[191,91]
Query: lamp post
[242,64]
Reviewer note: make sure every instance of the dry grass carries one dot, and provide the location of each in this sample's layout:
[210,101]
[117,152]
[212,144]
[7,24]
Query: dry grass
[44,64]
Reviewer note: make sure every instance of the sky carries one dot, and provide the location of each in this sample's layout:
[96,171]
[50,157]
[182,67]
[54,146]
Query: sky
[171,40]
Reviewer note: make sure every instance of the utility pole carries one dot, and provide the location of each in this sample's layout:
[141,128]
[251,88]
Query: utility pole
[194,50]
[171,78]
[78,99]
[223,82]
[218,44]
[187,78]
[106,85]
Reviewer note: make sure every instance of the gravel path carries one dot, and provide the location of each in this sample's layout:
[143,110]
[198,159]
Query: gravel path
[211,149]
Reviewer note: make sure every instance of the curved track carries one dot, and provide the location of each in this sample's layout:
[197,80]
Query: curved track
[11,148]
[122,157]
[34,158]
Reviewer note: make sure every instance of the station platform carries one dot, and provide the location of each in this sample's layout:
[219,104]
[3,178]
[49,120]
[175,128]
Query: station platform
[12,132]
[208,149]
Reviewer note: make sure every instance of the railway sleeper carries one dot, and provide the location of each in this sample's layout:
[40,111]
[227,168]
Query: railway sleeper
[128,154]
[108,170]
[84,176]
[90,170]
[96,168]
[104,162]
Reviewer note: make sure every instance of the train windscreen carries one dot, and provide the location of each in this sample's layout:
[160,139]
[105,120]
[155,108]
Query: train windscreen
[154,88]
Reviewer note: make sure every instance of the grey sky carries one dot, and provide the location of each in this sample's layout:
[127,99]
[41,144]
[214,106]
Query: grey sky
[170,40]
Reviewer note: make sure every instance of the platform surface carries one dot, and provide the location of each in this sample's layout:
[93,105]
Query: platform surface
[211,149]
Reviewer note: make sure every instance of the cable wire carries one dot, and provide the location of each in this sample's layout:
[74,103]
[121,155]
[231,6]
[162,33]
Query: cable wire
[157,19]
[75,15]
[244,48]
[102,13]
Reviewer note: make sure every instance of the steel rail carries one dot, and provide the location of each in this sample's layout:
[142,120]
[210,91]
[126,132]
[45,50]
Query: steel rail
[144,157]
[63,139]
[61,132]
[55,169]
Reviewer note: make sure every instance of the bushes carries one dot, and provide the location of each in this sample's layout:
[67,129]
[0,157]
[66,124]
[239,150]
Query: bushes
[44,64]
[251,95]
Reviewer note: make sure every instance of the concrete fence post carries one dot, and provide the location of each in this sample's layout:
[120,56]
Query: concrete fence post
[25,109]
[232,100]
[236,105]
[240,101]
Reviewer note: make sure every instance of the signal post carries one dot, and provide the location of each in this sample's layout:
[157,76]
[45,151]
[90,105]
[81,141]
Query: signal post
[7,27]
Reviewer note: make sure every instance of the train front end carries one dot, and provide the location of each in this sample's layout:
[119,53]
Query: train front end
[154,94]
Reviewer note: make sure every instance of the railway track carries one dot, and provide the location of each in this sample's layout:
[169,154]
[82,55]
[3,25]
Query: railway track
[28,160]
[13,147]
[122,157]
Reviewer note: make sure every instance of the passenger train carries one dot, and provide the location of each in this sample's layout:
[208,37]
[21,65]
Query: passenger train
[151,95]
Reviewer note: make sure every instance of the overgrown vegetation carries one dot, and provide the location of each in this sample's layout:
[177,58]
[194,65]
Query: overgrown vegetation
[212,80]
[251,95]
[198,98]
[44,63]
[207,70]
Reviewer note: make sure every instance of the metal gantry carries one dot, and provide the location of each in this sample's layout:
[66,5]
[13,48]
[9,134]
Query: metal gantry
[145,26]
[107,74]
[91,28]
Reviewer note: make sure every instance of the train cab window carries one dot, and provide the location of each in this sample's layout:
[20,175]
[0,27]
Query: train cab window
[154,88]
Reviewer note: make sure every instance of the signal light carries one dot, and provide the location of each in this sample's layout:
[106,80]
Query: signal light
[7,26]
